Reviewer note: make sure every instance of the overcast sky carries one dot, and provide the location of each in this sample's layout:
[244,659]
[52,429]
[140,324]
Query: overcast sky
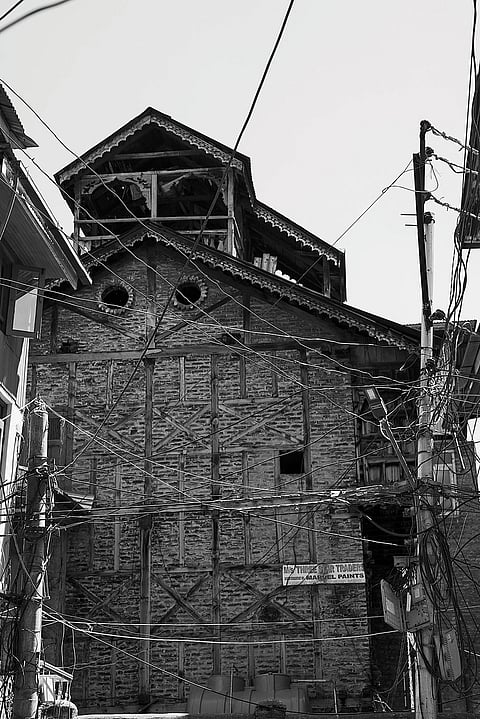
[336,122]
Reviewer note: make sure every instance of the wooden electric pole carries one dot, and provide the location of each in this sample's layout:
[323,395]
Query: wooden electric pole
[31,544]
[425,695]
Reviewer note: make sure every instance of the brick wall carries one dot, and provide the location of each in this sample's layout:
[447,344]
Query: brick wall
[260,414]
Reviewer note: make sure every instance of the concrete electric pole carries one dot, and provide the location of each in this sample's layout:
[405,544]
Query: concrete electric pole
[425,695]
[32,569]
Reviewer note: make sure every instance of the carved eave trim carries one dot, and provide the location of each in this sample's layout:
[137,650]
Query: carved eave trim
[166,124]
[303,238]
[261,279]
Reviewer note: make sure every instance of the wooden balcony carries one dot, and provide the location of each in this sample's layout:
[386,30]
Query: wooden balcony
[107,205]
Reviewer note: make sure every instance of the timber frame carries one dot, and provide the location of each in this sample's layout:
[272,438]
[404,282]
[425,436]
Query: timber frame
[197,510]
[161,171]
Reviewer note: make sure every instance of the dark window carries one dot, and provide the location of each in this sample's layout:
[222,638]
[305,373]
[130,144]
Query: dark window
[291,461]
[115,296]
[188,293]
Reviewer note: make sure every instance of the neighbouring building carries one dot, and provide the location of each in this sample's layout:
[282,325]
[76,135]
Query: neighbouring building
[32,253]
[207,393]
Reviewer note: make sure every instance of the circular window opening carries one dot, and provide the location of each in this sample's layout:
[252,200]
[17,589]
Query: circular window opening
[188,293]
[115,297]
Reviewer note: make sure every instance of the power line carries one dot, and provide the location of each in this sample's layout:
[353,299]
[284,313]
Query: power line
[2,17]
[30,13]
[209,212]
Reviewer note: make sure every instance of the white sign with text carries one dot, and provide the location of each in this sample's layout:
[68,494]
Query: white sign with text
[338,573]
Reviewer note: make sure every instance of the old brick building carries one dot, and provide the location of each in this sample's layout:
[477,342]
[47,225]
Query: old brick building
[206,396]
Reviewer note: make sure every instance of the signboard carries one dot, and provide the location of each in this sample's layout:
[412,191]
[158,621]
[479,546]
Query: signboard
[338,573]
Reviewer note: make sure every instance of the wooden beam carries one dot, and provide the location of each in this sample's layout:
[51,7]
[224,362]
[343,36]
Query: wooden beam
[155,155]
[86,671]
[100,319]
[186,349]
[215,494]
[182,389]
[274,378]
[145,522]
[181,515]
[113,672]
[214,429]
[109,384]
[112,433]
[246,318]
[327,286]
[117,530]
[103,603]
[154,197]
[76,217]
[230,211]
[247,532]
[262,598]
[182,428]
[54,329]
[69,427]
[191,198]
[92,490]
[310,518]
[181,671]
[267,422]
[166,617]
[151,303]
[172,218]
[179,600]
[279,528]
[291,502]
[193,318]
[131,570]
[148,173]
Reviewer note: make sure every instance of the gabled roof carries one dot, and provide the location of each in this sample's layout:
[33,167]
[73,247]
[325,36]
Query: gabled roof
[13,124]
[150,116]
[378,328]
[218,152]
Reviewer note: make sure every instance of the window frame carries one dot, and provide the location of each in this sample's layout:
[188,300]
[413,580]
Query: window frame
[14,295]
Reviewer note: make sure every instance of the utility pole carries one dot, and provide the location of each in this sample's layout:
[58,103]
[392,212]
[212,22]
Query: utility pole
[425,690]
[32,569]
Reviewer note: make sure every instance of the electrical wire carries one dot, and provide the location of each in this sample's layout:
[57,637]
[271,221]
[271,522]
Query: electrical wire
[2,17]
[30,13]
[209,212]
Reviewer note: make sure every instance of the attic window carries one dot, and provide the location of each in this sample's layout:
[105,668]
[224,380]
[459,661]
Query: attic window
[115,298]
[190,293]
[291,461]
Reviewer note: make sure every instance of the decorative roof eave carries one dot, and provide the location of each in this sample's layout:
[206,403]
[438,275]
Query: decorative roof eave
[296,294]
[13,123]
[220,153]
[151,118]
[301,236]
